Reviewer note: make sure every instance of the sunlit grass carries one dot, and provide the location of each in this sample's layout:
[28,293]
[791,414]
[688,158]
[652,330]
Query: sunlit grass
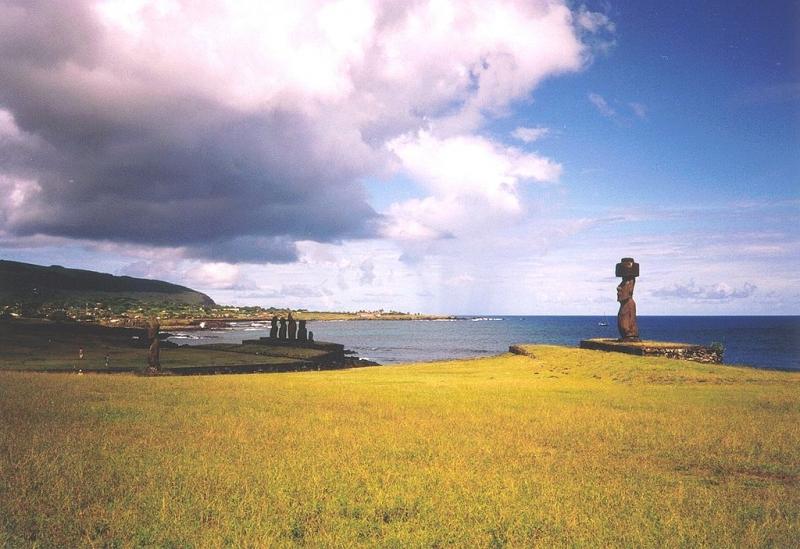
[571,447]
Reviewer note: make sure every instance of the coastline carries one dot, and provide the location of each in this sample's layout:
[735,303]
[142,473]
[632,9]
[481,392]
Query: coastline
[214,322]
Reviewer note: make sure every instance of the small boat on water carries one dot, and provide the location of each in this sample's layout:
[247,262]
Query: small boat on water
[602,323]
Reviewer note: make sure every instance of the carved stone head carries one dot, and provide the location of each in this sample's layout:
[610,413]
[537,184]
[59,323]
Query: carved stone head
[625,289]
[627,267]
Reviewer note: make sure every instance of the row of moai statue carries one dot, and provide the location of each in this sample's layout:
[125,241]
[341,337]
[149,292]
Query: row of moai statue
[289,328]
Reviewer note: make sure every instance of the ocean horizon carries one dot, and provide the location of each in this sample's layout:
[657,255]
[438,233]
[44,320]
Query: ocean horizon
[759,341]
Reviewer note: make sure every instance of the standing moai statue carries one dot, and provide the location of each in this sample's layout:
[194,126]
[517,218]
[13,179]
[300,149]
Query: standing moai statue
[273,329]
[311,336]
[283,328]
[628,269]
[154,352]
[292,327]
[302,332]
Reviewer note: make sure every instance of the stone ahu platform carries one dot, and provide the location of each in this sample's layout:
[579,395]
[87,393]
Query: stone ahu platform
[330,353]
[681,351]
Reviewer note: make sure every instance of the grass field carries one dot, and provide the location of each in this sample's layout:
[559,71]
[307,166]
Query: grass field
[568,447]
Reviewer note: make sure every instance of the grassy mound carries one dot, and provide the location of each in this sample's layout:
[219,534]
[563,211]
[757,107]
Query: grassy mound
[566,446]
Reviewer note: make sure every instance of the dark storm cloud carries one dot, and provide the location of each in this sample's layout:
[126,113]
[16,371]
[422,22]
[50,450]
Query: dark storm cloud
[153,163]
[247,249]
[45,32]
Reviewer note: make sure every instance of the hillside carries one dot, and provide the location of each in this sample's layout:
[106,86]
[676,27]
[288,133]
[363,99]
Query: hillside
[25,282]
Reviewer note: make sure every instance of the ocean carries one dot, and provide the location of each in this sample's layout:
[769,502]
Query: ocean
[760,341]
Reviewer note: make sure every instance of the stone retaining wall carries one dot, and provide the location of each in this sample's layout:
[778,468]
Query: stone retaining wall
[680,351]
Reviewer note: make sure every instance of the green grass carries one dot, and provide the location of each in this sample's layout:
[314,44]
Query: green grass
[569,447]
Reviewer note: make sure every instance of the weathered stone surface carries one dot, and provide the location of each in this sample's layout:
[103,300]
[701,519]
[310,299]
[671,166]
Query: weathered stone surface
[154,352]
[627,268]
[302,331]
[626,317]
[335,351]
[680,351]
[520,350]
[283,329]
[292,327]
[273,329]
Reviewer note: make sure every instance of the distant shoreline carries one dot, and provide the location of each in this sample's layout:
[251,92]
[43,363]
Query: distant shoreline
[210,323]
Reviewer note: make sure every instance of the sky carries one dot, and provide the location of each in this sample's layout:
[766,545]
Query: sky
[435,156]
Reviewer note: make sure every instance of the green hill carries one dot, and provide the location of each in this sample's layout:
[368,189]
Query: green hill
[25,282]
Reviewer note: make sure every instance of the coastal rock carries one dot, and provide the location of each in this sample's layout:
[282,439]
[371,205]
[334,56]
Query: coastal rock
[521,350]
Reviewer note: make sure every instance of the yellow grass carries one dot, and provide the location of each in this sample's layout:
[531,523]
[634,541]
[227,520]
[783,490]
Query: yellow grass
[569,447]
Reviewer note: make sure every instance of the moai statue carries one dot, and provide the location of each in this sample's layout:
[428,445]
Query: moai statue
[283,328]
[302,332]
[154,353]
[273,329]
[311,336]
[628,269]
[292,327]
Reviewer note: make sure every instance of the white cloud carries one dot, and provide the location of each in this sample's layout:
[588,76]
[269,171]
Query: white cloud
[460,280]
[639,109]
[469,178]
[248,54]
[720,291]
[290,103]
[367,268]
[316,94]
[602,105]
[529,135]
[298,54]
[594,21]
[15,192]
[599,28]
[545,263]
[8,126]
[214,275]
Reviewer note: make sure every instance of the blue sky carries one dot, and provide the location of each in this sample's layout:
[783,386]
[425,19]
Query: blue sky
[451,157]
